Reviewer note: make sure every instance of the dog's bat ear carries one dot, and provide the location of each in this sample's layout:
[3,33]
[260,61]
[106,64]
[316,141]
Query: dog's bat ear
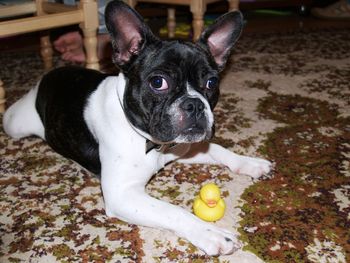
[128,32]
[220,37]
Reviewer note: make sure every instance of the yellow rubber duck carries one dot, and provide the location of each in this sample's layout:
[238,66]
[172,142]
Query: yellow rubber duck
[208,205]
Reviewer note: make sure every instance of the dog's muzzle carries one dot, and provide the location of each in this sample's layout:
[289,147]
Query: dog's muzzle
[193,120]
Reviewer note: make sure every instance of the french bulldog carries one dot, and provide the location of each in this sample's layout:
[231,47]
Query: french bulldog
[164,95]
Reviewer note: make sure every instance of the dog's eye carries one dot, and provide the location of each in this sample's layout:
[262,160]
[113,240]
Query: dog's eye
[158,83]
[212,83]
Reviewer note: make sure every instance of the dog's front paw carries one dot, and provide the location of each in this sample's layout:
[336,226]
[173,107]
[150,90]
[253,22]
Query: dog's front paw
[213,240]
[254,167]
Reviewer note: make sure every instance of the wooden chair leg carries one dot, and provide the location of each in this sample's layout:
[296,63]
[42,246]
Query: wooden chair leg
[89,28]
[171,23]
[46,51]
[233,5]
[132,3]
[90,44]
[2,97]
[45,44]
[198,9]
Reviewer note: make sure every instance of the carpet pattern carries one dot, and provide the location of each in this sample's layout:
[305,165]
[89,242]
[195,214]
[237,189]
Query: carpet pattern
[285,97]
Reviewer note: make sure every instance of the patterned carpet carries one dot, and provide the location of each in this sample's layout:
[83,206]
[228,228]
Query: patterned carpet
[285,98]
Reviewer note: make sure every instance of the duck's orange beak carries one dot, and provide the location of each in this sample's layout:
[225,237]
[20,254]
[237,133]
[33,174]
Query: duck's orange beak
[211,203]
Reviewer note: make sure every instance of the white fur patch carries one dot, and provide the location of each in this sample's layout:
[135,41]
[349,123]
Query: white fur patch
[22,119]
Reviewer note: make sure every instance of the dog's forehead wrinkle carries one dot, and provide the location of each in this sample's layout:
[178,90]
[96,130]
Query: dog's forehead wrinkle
[174,58]
[176,49]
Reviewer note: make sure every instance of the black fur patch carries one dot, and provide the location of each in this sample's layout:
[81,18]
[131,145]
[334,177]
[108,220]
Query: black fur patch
[60,103]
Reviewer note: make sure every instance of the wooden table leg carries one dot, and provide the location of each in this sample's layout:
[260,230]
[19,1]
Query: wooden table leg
[2,97]
[132,3]
[45,44]
[89,28]
[46,51]
[198,8]
[233,5]
[171,23]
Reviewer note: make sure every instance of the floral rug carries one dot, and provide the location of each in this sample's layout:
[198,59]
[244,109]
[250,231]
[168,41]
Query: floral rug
[285,97]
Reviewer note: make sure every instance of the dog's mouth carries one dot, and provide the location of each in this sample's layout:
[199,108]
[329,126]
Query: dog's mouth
[194,129]
[194,133]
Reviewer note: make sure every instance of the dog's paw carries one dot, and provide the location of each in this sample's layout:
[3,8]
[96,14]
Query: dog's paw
[253,167]
[214,241]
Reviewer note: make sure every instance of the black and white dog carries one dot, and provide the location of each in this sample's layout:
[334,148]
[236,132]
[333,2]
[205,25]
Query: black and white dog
[165,94]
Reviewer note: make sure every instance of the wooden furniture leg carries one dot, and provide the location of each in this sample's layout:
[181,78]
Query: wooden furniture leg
[45,44]
[89,28]
[171,23]
[233,5]
[198,9]
[2,97]
[46,51]
[131,3]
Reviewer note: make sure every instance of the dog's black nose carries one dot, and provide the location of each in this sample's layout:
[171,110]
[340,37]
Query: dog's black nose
[194,107]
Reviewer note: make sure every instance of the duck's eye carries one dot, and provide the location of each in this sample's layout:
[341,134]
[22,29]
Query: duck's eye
[212,83]
[158,83]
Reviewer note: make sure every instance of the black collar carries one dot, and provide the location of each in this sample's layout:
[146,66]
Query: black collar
[151,145]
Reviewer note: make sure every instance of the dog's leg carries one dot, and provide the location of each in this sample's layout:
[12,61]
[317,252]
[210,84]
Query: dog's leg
[211,153]
[22,119]
[123,184]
